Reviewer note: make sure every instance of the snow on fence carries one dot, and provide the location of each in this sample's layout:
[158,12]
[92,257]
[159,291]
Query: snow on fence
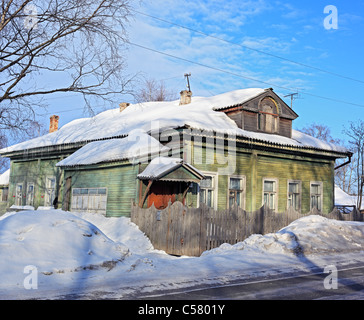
[181,230]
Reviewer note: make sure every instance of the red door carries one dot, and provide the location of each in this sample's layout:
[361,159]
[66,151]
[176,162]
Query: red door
[161,193]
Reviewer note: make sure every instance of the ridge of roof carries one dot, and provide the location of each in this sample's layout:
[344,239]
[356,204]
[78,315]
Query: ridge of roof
[112,122]
[200,114]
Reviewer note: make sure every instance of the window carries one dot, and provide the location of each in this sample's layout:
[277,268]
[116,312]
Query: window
[294,195]
[30,194]
[270,193]
[207,191]
[19,194]
[208,194]
[89,200]
[50,191]
[237,191]
[268,122]
[4,194]
[316,195]
[268,115]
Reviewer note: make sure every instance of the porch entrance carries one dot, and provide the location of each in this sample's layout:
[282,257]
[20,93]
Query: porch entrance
[166,180]
[161,192]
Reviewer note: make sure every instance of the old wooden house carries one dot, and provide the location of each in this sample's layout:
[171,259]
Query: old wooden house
[4,190]
[238,147]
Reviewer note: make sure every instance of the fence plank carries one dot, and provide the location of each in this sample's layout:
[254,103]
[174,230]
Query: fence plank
[203,230]
[189,231]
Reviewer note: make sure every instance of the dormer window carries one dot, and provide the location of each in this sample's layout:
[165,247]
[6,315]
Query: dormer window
[265,113]
[268,117]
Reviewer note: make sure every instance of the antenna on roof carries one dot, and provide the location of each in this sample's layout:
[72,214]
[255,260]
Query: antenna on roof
[188,81]
[291,95]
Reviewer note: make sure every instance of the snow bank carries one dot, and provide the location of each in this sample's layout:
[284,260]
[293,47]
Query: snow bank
[308,235]
[85,255]
[272,243]
[319,235]
[55,242]
[120,230]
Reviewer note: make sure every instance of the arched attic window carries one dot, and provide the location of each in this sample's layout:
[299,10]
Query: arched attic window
[268,116]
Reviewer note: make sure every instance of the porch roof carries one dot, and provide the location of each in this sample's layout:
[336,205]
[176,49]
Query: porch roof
[170,169]
[135,146]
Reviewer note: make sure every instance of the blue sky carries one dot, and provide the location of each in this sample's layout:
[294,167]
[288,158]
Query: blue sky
[292,30]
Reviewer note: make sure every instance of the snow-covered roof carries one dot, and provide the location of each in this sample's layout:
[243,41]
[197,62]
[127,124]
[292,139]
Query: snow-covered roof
[344,199]
[4,178]
[136,145]
[161,166]
[199,114]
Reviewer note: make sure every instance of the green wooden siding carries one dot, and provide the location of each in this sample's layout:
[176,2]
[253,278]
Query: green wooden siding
[3,206]
[180,174]
[120,182]
[306,171]
[33,172]
[255,166]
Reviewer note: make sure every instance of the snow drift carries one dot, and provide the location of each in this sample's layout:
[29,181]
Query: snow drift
[318,235]
[55,242]
[306,236]
[82,254]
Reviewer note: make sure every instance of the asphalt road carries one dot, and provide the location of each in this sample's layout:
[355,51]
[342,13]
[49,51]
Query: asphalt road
[350,285]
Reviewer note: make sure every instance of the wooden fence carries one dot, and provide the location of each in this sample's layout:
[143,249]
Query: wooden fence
[180,230]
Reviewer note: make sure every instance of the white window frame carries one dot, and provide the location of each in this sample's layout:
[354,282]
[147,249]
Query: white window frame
[19,196]
[243,190]
[276,194]
[31,202]
[4,194]
[321,188]
[49,193]
[299,182]
[81,203]
[215,183]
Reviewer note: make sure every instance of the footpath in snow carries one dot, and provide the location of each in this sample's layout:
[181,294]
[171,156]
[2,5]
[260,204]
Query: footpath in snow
[53,254]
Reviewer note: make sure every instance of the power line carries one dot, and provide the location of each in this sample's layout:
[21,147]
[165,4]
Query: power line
[244,77]
[250,48]
[233,74]
[204,65]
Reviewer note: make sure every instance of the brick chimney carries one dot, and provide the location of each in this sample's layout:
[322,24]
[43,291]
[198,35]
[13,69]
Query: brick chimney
[185,97]
[123,106]
[53,124]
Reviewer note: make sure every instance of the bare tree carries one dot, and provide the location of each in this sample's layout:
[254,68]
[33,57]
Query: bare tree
[153,90]
[345,175]
[4,163]
[57,46]
[319,131]
[356,134]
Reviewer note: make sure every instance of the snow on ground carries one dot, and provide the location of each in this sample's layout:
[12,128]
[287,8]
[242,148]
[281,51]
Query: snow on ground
[84,255]
[54,242]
